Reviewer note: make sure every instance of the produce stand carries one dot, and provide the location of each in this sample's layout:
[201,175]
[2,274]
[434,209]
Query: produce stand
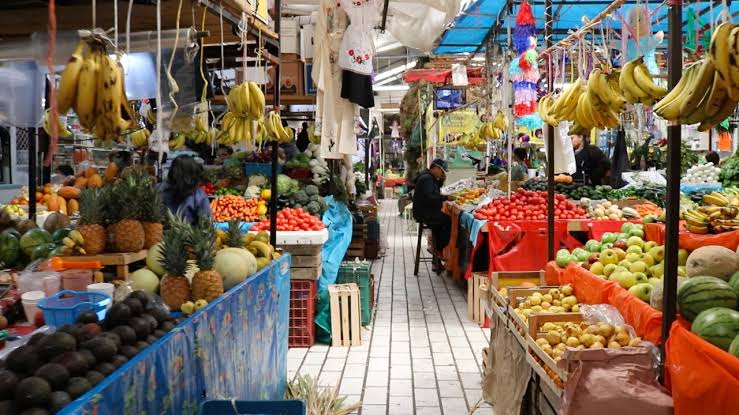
[235,347]
[119,261]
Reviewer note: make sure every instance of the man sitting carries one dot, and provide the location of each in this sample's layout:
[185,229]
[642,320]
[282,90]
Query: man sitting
[427,201]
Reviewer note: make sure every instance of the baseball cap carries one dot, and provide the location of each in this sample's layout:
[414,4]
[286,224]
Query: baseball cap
[442,164]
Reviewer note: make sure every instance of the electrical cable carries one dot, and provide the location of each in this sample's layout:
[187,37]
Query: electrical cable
[173,87]
[53,112]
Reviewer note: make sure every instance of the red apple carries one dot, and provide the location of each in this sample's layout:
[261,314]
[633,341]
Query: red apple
[586,265]
[620,245]
[593,258]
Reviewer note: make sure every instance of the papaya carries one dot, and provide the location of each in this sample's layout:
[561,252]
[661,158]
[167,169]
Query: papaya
[80,182]
[52,203]
[111,172]
[73,206]
[95,181]
[69,192]
[91,171]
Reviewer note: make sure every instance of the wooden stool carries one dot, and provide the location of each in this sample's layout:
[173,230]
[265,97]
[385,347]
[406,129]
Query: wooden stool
[421,226]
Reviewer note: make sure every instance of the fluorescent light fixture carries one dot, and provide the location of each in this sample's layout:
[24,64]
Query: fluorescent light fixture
[387,80]
[395,71]
[389,46]
[392,88]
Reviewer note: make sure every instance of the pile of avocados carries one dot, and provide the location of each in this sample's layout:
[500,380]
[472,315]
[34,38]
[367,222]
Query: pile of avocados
[52,370]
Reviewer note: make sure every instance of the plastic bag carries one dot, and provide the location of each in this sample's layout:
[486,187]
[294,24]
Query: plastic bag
[564,153]
[34,278]
[10,346]
[601,313]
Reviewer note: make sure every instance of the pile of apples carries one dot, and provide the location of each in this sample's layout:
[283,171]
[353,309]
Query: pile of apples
[557,337]
[556,300]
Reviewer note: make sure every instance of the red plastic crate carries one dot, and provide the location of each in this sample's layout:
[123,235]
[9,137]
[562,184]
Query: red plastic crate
[301,328]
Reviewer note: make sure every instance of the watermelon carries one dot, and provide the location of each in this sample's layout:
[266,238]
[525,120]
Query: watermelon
[734,346]
[734,282]
[718,326]
[9,249]
[13,232]
[57,251]
[42,251]
[701,293]
[33,238]
[59,235]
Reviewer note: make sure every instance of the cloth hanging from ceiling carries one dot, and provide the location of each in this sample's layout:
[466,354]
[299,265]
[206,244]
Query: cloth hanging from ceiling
[418,23]
[442,76]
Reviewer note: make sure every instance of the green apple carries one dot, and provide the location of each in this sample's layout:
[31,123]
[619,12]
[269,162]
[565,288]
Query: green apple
[597,268]
[641,290]
[638,266]
[626,227]
[649,245]
[648,259]
[632,257]
[635,241]
[595,246]
[637,232]
[624,279]
[658,253]
[682,256]
[608,238]
[589,243]
[654,281]
[609,256]
[620,268]
[658,270]
[640,277]
[623,236]
[681,271]
[634,249]
[581,254]
[608,269]
[620,252]
[625,264]
[606,246]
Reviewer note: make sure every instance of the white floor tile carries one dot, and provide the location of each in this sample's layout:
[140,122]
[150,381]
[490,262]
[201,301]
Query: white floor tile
[400,405]
[401,388]
[428,411]
[426,397]
[450,389]
[374,410]
[424,379]
[375,396]
[454,405]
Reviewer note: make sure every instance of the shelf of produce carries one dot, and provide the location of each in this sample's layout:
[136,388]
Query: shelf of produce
[120,261]
[235,346]
[301,237]
[692,241]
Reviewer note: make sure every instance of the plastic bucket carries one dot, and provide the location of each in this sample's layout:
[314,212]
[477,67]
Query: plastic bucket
[64,307]
[102,287]
[30,302]
[76,279]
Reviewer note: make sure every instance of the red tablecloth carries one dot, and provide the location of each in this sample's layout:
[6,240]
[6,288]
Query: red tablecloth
[691,241]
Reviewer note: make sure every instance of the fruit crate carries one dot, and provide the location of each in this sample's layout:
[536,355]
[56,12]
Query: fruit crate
[306,261]
[355,250]
[371,249]
[507,280]
[553,375]
[476,287]
[301,329]
[518,326]
[358,272]
[345,320]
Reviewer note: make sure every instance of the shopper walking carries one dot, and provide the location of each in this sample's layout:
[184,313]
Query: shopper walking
[181,191]
[589,160]
[427,202]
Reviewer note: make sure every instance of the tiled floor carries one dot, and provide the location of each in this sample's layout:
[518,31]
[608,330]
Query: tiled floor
[421,355]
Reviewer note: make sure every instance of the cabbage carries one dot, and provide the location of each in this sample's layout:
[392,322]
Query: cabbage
[286,185]
[258,180]
[252,191]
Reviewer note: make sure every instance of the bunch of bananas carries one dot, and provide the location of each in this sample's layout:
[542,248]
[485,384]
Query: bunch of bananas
[471,141]
[489,131]
[721,214]
[245,104]
[92,84]
[312,136]
[500,121]
[637,85]
[178,141]
[275,130]
[61,129]
[73,244]
[708,91]
[140,137]
[202,134]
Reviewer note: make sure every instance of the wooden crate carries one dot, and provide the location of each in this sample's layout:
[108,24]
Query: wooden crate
[475,306]
[345,315]
[508,279]
[518,326]
[306,261]
[355,250]
[554,375]
[359,231]
[119,261]
[295,250]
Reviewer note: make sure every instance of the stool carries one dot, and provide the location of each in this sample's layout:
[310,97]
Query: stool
[421,226]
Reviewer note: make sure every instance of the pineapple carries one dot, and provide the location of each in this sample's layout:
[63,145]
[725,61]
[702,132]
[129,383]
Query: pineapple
[152,214]
[91,221]
[207,284]
[174,287]
[126,233]
[234,237]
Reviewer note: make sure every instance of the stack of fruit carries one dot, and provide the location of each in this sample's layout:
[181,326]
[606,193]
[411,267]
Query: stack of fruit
[290,219]
[469,196]
[720,215]
[702,174]
[555,300]
[494,130]
[609,211]
[555,338]
[231,207]
[245,105]
[528,205]
[53,369]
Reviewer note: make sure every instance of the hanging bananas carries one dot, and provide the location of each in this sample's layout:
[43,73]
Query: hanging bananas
[708,91]
[61,128]
[92,84]
[244,120]
[178,141]
[140,137]
[274,129]
[637,85]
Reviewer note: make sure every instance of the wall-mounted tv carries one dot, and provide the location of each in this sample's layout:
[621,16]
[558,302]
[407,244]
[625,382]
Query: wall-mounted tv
[449,98]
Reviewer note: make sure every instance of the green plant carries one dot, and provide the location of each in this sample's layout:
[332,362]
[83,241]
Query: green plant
[319,400]
[730,171]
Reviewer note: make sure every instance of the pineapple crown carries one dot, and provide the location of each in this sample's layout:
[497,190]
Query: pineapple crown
[234,238]
[203,242]
[173,253]
[92,209]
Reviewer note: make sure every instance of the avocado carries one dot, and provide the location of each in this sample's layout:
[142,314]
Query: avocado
[89,357]
[151,339]
[102,347]
[112,336]
[118,360]
[91,330]
[153,323]
[135,305]
[7,408]
[159,333]
[77,387]
[141,346]
[56,344]
[75,362]
[23,359]
[160,314]
[54,374]
[118,314]
[35,411]
[32,392]
[140,326]
[73,329]
[58,400]
[94,377]
[126,333]
[129,351]
[142,296]
[8,382]
[105,368]
[167,326]
[36,338]
[87,316]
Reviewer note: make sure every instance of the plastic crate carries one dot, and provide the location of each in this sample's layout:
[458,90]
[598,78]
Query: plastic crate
[265,169]
[358,272]
[65,306]
[301,328]
[293,407]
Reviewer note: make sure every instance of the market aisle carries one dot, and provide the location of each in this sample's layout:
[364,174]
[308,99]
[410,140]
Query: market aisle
[422,356]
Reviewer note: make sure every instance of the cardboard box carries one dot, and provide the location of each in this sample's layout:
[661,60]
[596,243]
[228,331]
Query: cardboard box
[291,76]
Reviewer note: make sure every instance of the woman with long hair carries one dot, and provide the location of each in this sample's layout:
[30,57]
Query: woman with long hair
[181,191]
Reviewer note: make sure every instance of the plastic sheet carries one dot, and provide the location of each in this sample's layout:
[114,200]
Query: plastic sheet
[692,241]
[703,378]
[338,220]
[530,249]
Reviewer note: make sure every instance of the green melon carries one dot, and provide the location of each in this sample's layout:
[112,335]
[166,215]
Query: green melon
[42,251]
[9,249]
[701,293]
[13,232]
[734,346]
[59,235]
[33,238]
[57,251]
[734,282]
[718,326]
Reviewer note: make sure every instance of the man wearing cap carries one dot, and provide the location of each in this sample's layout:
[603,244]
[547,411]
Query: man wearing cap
[427,201]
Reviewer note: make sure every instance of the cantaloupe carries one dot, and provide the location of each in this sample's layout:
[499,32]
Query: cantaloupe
[712,261]
[144,279]
[655,297]
[234,265]
[152,259]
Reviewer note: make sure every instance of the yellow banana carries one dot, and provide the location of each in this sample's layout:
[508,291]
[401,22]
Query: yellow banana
[256,110]
[644,81]
[67,92]
[719,54]
[628,84]
[61,129]
[698,89]
[669,107]
[86,91]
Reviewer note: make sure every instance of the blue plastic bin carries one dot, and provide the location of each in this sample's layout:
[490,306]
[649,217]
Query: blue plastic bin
[65,306]
[294,407]
[265,169]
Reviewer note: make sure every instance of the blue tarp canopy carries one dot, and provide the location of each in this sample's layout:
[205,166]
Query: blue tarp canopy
[472,27]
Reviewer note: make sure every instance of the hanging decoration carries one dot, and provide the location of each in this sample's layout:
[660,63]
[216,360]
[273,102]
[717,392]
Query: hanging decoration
[524,71]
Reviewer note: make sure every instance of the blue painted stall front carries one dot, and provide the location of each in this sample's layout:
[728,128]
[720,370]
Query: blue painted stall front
[236,347]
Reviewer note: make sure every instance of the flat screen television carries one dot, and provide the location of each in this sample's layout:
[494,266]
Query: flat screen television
[449,98]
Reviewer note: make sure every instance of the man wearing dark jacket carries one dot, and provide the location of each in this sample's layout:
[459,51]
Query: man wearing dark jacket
[427,201]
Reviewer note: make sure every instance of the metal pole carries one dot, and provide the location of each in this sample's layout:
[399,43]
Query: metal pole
[673,178]
[32,165]
[550,136]
[276,103]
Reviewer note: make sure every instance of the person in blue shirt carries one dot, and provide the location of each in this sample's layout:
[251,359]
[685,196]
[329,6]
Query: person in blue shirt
[181,191]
